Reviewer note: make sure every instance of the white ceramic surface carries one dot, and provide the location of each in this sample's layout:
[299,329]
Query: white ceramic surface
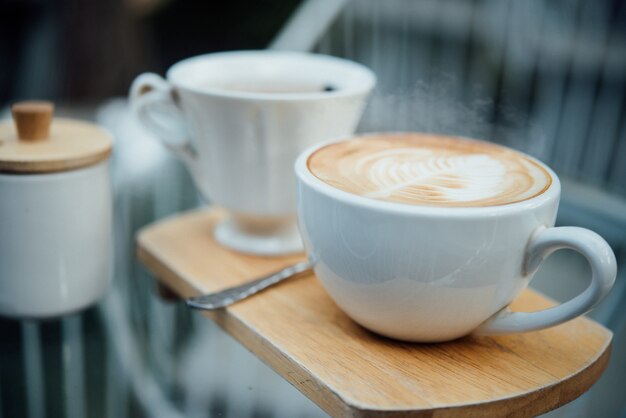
[55,241]
[430,274]
[242,145]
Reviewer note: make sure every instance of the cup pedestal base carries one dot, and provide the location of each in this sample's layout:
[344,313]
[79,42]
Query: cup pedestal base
[283,241]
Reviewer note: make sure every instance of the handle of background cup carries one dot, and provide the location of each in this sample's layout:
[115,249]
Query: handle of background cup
[149,94]
[543,243]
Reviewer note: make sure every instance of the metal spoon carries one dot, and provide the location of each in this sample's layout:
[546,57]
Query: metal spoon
[234,294]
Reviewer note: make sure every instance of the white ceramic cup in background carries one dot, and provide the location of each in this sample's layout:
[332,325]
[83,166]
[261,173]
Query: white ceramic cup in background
[239,119]
[427,274]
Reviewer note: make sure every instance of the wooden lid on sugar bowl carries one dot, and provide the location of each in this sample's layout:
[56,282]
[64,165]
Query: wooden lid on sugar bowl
[35,142]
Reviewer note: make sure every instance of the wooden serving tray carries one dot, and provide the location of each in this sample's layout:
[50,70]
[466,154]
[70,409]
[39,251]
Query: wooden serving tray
[350,372]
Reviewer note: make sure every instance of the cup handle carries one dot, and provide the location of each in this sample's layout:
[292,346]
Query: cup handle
[154,101]
[543,243]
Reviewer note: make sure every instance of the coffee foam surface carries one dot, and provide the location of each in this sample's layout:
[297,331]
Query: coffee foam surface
[431,170]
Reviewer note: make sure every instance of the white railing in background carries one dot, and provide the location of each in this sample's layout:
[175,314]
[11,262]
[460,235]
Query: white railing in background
[74,393]
[33,370]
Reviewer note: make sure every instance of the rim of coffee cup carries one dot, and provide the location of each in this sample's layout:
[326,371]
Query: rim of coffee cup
[360,72]
[306,176]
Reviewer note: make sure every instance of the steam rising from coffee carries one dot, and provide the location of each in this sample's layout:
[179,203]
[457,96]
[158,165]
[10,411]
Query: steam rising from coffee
[435,107]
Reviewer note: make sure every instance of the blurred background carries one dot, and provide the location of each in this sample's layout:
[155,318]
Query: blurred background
[547,77]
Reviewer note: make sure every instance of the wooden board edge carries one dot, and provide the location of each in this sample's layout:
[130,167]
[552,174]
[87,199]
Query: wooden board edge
[529,404]
[285,366]
[521,405]
[306,383]
[164,273]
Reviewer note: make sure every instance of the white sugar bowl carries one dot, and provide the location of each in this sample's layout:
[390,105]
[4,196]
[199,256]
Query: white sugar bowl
[55,213]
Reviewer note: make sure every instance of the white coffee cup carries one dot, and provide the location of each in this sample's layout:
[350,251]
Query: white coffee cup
[427,274]
[242,139]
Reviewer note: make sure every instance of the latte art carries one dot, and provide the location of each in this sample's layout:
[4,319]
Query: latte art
[411,173]
[429,170]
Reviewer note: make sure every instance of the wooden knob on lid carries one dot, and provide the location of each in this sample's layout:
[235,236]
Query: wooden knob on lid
[32,119]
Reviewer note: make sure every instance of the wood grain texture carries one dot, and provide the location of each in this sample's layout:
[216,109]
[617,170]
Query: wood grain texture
[350,372]
[71,145]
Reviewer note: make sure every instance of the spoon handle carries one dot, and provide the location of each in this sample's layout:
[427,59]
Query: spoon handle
[234,294]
